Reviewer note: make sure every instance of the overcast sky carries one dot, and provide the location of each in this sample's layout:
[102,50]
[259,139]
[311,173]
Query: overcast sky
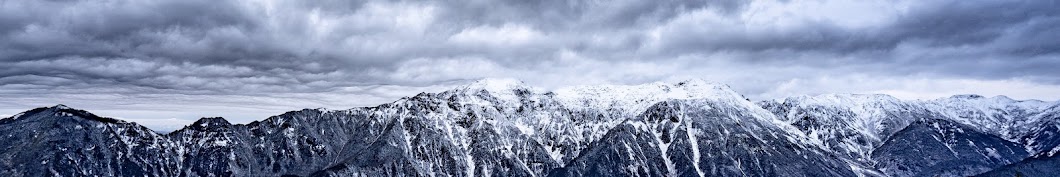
[164,63]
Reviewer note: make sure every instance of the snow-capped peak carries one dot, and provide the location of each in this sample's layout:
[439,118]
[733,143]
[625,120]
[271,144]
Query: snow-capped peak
[843,100]
[870,108]
[636,98]
[996,101]
[994,114]
[981,103]
[869,114]
[495,85]
[630,99]
[505,90]
[1002,98]
[211,121]
[60,107]
[57,109]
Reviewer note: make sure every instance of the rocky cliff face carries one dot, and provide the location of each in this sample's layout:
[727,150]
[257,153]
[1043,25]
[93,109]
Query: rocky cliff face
[704,138]
[505,128]
[59,141]
[939,147]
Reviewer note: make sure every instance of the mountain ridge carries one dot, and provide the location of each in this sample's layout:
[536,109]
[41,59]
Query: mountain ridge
[504,127]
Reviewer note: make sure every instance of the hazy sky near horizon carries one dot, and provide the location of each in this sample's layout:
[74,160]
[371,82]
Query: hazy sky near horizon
[165,63]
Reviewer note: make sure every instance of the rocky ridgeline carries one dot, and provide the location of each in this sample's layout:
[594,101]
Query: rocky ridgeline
[504,128]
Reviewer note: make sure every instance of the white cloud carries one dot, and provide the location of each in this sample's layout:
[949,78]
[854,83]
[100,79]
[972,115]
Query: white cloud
[847,14]
[505,35]
[182,59]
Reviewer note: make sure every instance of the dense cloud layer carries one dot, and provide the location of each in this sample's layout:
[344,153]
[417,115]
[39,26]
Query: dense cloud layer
[187,55]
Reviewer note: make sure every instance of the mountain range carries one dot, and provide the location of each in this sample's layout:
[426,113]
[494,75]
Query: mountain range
[503,127]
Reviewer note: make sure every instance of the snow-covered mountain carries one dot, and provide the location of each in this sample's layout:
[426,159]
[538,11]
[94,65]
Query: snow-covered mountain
[502,127]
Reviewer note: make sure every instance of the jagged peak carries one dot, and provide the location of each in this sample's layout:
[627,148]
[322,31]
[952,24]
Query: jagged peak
[61,110]
[694,82]
[53,109]
[629,97]
[60,107]
[636,98]
[689,86]
[505,89]
[205,124]
[495,85]
[842,99]
[64,108]
[212,122]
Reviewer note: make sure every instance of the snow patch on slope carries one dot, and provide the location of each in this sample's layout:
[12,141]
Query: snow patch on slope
[999,114]
[634,99]
[505,90]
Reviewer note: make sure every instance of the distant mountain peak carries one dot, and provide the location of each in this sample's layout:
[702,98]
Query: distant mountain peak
[691,88]
[988,104]
[210,124]
[212,121]
[1002,97]
[634,99]
[967,96]
[60,106]
[62,111]
[999,99]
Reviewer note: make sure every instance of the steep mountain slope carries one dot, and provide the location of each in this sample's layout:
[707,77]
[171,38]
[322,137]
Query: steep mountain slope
[998,115]
[205,147]
[537,132]
[59,141]
[848,125]
[294,143]
[976,133]
[704,138]
[1043,140]
[1041,133]
[939,147]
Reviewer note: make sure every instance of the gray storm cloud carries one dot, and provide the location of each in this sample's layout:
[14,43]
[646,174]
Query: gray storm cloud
[172,56]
